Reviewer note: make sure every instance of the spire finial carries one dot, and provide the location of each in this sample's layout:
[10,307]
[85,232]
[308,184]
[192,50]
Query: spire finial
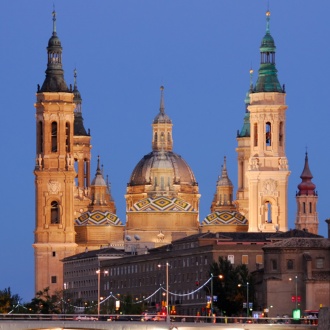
[98,163]
[162,107]
[54,20]
[75,78]
[251,78]
[267,20]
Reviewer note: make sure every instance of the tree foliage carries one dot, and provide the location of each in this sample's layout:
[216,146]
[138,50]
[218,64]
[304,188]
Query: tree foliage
[7,300]
[229,295]
[43,303]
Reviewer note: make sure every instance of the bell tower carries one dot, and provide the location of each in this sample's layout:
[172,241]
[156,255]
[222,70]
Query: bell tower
[267,173]
[54,172]
[306,197]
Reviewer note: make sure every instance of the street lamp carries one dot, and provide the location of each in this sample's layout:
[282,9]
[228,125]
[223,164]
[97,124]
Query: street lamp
[98,272]
[296,278]
[166,307]
[296,287]
[247,297]
[220,277]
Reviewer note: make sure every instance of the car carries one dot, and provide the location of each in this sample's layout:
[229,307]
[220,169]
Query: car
[116,318]
[152,317]
[85,318]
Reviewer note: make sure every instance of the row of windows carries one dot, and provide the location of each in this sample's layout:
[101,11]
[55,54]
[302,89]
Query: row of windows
[54,137]
[268,134]
[290,263]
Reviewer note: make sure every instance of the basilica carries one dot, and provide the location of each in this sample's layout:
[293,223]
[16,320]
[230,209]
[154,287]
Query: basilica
[75,211]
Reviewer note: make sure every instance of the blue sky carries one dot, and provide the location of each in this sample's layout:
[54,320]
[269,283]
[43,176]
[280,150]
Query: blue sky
[201,51]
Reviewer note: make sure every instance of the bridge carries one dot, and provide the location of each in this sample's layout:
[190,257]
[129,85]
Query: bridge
[51,322]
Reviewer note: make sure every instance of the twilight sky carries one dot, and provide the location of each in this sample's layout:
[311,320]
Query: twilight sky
[200,50]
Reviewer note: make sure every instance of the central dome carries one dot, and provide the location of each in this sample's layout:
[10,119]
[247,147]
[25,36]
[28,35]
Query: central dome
[167,160]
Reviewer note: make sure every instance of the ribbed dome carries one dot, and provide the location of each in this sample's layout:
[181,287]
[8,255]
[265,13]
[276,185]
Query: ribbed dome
[267,43]
[54,41]
[162,159]
[225,221]
[162,118]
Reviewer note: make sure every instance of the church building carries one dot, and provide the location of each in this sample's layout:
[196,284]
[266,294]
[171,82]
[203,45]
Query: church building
[76,213]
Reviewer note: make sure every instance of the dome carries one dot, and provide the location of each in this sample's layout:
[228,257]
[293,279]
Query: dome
[54,41]
[98,218]
[162,159]
[225,221]
[162,118]
[267,43]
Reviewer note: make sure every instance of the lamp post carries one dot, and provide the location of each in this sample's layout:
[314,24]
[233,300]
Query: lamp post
[247,297]
[211,294]
[296,279]
[166,307]
[220,277]
[98,272]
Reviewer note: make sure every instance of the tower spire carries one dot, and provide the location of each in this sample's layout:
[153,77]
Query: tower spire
[54,21]
[54,81]
[162,106]
[267,78]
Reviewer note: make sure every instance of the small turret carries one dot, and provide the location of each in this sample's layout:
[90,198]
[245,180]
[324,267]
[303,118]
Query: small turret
[306,198]
[162,128]
[79,128]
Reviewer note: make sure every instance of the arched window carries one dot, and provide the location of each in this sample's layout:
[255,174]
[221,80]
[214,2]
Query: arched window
[169,137]
[156,137]
[255,134]
[54,136]
[310,207]
[54,213]
[304,207]
[268,134]
[67,137]
[280,134]
[289,264]
[40,136]
[268,212]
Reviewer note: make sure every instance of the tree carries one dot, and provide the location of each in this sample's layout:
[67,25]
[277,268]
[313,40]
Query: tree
[230,296]
[43,303]
[7,300]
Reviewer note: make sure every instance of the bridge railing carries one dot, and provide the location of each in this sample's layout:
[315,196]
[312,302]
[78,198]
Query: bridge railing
[176,318]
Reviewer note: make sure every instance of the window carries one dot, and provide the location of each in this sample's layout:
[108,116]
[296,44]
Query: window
[255,134]
[274,264]
[54,136]
[54,213]
[54,254]
[268,134]
[319,263]
[289,264]
[259,259]
[280,135]
[67,137]
[54,279]
[268,212]
[245,259]
[231,259]
[40,137]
